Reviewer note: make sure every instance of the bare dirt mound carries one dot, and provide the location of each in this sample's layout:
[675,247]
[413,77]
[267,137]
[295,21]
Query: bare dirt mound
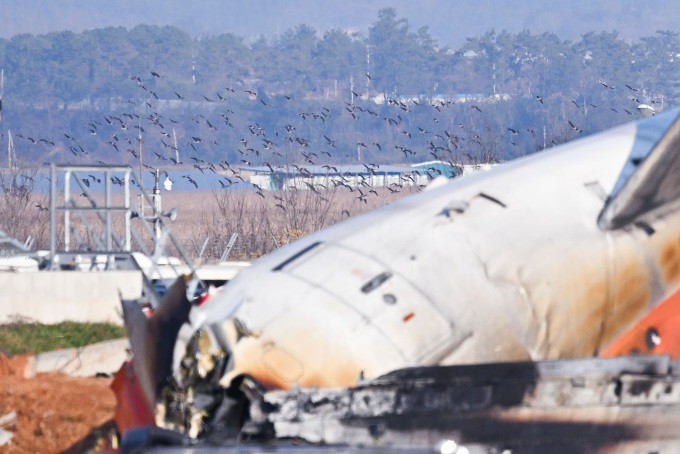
[54,412]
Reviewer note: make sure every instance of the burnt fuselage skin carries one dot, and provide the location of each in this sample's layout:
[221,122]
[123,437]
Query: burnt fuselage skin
[506,265]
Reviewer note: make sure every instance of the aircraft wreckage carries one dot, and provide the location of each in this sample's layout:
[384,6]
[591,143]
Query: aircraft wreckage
[489,312]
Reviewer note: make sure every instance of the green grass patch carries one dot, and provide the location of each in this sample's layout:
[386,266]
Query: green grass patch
[24,337]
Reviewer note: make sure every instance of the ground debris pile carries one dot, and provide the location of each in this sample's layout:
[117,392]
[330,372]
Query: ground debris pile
[54,412]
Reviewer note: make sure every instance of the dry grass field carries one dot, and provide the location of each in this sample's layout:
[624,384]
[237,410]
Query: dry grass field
[263,221]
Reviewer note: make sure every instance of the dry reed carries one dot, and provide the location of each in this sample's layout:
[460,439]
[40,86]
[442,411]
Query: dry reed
[263,221]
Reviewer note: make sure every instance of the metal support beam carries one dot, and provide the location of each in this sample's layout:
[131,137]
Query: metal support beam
[107,213]
[67,213]
[105,217]
[53,214]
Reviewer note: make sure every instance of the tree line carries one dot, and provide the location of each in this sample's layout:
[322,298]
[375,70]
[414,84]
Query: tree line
[506,94]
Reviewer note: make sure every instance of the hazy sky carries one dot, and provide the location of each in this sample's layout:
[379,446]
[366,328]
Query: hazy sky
[450,20]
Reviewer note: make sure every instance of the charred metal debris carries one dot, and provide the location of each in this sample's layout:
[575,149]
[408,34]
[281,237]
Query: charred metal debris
[524,406]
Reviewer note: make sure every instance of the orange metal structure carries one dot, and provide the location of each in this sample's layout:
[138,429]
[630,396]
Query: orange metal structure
[657,333]
[132,410]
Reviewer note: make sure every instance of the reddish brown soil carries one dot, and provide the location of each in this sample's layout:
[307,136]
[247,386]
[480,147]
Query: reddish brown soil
[55,413]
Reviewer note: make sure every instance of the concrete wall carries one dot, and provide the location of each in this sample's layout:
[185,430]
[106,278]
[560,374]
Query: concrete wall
[55,296]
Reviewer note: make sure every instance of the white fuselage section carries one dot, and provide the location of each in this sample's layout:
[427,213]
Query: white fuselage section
[503,265]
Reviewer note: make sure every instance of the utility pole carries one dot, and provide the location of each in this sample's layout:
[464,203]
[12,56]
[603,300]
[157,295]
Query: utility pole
[9,139]
[2,90]
[585,108]
[351,89]
[174,139]
[193,69]
[140,176]
[545,138]
[139,138]
[10,145]
[368,71]
[11,153]
[157,210]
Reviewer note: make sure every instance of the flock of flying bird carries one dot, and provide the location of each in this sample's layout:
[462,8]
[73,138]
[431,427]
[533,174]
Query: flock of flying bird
[452,142]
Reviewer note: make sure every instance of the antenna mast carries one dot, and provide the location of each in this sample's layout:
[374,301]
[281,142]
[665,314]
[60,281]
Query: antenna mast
[139,138]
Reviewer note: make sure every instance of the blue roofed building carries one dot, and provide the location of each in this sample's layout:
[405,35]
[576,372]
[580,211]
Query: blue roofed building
[276,178]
